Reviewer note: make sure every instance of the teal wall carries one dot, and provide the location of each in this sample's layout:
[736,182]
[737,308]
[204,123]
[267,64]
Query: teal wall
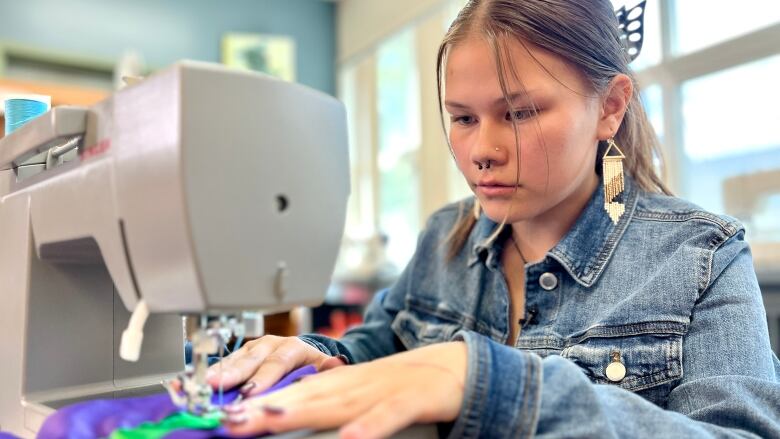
[164,31]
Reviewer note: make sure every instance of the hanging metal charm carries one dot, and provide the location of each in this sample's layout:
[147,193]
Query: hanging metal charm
[613,181]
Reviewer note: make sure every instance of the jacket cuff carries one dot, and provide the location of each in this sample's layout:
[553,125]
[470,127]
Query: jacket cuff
[503,390]
[328,346]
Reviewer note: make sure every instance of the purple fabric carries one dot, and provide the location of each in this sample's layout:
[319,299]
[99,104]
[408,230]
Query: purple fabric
[99,418]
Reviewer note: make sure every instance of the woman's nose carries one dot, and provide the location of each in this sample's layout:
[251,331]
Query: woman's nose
[489,150]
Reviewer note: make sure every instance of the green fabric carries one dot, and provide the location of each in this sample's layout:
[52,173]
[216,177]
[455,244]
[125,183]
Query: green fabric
[177,421]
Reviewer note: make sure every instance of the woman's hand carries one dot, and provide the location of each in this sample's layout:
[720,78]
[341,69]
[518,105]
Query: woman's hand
[370,400]
[261,363]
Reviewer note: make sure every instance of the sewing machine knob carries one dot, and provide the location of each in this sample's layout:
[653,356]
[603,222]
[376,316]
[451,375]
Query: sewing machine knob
[282,203]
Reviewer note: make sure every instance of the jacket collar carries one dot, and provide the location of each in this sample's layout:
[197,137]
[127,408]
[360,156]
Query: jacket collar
[584,251]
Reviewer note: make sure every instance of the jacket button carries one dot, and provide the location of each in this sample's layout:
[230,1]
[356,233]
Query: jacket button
[616,370]
[548,281]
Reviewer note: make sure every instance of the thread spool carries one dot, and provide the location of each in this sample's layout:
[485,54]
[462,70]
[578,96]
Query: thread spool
[20,109]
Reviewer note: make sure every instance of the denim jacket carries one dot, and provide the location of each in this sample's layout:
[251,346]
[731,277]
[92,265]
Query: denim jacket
[669,293]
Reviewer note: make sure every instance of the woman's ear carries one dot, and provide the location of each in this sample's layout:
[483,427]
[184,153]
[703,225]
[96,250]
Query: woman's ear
[614,105]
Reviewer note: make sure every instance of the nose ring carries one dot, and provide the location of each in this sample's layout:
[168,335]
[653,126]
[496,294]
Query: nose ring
[485,166]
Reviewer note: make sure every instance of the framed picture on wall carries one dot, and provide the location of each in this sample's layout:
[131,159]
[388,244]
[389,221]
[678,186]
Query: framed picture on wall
[271,54]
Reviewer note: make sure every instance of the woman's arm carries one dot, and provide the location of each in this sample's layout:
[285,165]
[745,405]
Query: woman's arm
[265,360]
[374,338]
[370,340]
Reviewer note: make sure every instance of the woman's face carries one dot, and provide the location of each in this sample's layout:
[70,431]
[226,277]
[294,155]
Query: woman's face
[557,145]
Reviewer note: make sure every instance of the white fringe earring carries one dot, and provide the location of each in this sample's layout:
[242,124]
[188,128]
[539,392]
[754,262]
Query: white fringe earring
[613,180]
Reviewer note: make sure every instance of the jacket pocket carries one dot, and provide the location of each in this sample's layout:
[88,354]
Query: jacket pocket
[422,323]
[649,353]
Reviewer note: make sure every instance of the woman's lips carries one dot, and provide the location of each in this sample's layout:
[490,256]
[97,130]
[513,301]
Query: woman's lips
[495,190]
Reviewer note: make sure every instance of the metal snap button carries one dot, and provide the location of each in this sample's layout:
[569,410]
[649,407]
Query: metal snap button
[548,281]
[616,370]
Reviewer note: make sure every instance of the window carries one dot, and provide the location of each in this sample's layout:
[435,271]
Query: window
[732,112]
[652,100]
[398,110]
[702,23]
[730,131]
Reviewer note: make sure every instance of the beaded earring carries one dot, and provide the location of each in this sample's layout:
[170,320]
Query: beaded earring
[612,166]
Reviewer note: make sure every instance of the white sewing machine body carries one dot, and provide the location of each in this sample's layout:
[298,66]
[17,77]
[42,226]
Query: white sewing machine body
[199,190]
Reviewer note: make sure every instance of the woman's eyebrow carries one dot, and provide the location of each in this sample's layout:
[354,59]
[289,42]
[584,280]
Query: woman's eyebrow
[512,97]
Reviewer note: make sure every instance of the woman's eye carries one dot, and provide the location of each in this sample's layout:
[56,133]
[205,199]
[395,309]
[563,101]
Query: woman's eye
[519,114]
[463,120]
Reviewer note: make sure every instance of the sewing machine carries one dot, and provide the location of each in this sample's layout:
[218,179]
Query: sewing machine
[199,190]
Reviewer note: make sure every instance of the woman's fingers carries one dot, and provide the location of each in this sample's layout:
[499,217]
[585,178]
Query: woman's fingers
[263,362]
[310,389]
[236,368]
[373,399]
[287,356]
[314,407]
[361,415]
[331,363]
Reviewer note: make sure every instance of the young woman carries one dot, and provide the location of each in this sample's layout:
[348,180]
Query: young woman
[566,299]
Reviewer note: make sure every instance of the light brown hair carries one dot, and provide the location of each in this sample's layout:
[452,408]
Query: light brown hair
[583,33]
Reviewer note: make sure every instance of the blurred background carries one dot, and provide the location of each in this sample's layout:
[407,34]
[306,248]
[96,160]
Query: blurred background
[709,73]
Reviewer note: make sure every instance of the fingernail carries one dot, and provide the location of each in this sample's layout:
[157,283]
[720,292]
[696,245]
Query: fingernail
[236,418]
[233,409]
[246,388]
[272,409]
